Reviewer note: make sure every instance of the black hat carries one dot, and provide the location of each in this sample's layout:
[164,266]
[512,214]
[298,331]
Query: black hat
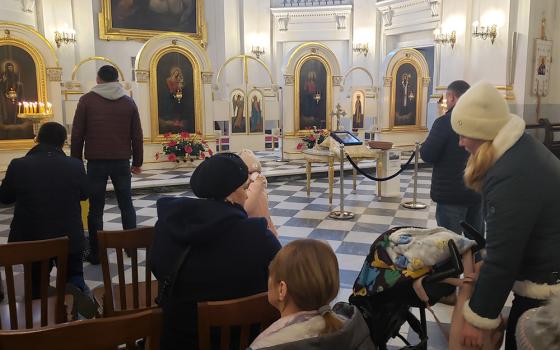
[219,176]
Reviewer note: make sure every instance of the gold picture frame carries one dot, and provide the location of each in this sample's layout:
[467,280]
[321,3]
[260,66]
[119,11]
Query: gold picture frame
[418,96]
[154,97]
[328,89]
[111,29]
[238,104]
[41,81]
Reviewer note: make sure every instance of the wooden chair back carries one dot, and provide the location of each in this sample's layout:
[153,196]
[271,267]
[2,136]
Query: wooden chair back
[26,253]
[127,297]
[243,312]
[95,334]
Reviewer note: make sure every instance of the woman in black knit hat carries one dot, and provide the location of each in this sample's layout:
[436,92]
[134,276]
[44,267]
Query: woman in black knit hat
[229,252]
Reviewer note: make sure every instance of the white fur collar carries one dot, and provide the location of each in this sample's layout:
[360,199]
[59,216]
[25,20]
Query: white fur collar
[508,135]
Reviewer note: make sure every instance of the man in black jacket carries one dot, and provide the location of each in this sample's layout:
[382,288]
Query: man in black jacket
[455,203]
[46,187]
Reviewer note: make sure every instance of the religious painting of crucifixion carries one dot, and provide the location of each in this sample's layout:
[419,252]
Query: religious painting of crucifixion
[142,19]
[256,114]
[406,95]
[175,94]
[312,83]
[358,107]
[237,112]
[18,83]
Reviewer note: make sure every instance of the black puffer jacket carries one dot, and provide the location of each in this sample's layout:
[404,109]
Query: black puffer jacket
[442,149]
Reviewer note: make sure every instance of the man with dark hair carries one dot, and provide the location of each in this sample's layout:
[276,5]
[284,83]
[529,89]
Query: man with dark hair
[107,122]
[46,187]
[454,202]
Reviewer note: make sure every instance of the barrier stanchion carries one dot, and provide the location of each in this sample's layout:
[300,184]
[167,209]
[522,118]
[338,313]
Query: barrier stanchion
[341,214]
[414,204]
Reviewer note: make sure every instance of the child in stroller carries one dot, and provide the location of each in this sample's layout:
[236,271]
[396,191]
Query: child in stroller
[384,293]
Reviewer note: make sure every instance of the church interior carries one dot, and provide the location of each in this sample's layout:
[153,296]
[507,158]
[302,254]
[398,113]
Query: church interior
[304,85]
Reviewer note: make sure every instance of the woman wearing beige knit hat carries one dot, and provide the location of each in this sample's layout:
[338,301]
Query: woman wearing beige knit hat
[520,184]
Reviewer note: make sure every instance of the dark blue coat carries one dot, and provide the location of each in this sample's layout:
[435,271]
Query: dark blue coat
[46,187]
[442,150]
[228,259]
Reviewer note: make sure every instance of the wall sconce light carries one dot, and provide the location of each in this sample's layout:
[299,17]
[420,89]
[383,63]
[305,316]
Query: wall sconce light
[361,49]
[64,36]
[257,51]
[485,32]
[445,38]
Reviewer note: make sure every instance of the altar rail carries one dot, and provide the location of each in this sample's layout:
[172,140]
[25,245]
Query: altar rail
[307,3]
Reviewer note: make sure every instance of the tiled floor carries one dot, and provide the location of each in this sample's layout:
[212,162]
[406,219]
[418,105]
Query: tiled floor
[298,216]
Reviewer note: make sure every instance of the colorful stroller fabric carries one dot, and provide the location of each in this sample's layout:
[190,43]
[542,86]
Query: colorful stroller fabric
[404,254]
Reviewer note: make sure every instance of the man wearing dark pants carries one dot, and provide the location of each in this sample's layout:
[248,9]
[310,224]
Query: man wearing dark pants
[107,122]
[46,187]
[454,202]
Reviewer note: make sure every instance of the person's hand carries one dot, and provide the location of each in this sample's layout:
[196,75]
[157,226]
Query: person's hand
[136,170]
[471,336]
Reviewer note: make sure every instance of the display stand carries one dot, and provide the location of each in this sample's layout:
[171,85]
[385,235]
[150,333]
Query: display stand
[341,214]
[414,204]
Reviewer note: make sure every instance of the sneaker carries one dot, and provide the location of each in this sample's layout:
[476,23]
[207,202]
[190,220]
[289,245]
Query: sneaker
[93,257]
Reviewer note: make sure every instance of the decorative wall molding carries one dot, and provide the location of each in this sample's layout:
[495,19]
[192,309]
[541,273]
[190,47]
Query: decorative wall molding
[409,15]
[426,81]
[337,15]
[54,73]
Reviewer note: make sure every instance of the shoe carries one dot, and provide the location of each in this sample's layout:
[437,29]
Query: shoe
[451,299]
[93,257]
[84,305]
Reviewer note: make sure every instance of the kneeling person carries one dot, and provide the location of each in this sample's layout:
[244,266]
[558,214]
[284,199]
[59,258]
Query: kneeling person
[46,187]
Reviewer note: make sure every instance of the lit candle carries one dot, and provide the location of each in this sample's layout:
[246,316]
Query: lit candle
[49,107]
[19,107]
[41,108]
[34,107]
[25,107]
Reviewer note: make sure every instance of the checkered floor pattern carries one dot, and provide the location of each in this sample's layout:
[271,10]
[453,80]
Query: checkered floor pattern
[298,216]
[271,167]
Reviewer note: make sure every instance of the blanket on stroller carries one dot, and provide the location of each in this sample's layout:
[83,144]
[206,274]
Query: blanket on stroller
[404,254]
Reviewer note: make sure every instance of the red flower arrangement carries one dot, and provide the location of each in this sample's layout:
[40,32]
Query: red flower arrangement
[184,146]
[316,137]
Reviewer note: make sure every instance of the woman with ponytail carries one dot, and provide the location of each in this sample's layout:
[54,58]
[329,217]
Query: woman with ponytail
[520,184]
[303,280]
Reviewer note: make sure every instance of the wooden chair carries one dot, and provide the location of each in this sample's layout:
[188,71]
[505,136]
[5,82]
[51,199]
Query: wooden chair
[96,334]
[124,298]
[243,312]
[39,312]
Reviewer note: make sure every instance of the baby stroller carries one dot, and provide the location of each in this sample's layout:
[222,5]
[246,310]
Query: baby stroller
[384,294]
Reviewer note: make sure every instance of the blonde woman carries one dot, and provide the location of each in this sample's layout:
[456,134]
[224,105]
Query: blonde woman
[520,184]
[303,280]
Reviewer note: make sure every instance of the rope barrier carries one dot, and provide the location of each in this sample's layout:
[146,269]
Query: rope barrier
[381,178]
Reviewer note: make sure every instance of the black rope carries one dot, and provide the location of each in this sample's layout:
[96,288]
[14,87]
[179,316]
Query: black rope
[382,178]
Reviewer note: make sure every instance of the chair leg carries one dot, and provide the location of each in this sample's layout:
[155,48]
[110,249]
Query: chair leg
[424,325]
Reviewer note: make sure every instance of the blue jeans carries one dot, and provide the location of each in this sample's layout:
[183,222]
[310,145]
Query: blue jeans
[450,215]
[98,172]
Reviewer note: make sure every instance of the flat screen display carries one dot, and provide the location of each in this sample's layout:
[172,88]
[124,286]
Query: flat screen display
[346,138]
